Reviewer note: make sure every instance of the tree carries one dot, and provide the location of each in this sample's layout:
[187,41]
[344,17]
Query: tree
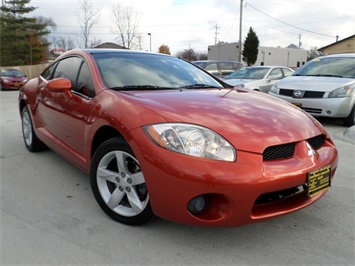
[126,22]
[23,39]
[250,50]
[202,56]
[87,17]
[313,53]
[187,54]
[164,49]
[64,43]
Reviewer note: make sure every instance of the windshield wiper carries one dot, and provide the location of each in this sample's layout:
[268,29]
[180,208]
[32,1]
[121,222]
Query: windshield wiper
[197,86]
[140,87]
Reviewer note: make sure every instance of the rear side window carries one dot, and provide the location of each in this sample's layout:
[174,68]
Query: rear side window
[287,72]
[226,68]
[212,68]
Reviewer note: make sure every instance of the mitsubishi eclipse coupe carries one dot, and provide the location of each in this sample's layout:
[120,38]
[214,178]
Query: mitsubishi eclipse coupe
[161,137]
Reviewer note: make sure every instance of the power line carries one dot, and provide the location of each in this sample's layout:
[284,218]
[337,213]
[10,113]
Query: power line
[290,24]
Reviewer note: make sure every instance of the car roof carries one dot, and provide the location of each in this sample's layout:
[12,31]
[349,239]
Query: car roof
[350,55]
[215,61]
[109,50]
[265,66]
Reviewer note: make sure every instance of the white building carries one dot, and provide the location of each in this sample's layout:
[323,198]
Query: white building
[291,57]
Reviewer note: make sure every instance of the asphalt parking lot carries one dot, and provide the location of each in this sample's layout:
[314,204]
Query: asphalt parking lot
[49,216]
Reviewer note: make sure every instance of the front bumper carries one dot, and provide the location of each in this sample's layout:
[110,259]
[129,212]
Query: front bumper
[12,85]
[325,107]
[232,189]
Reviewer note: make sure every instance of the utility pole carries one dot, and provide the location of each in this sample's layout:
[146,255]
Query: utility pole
[140,42]
[299,42]
[240,31]
[150,42]
[216,34]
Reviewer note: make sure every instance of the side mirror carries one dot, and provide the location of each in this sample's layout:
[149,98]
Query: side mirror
[59,84]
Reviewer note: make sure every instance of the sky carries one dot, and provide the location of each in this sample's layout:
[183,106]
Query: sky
[196,24]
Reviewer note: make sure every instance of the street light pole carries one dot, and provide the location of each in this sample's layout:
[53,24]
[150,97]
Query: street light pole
[150,41]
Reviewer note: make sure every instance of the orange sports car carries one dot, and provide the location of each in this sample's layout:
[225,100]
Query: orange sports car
[160,136]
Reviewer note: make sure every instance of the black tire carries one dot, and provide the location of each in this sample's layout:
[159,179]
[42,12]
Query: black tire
[118,183]
[30,138]
[350,120]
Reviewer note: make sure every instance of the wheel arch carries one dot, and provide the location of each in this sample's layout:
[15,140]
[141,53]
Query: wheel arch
[22,104]
[102,134]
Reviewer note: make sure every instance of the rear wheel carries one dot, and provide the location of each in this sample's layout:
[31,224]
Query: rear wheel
[32,143]
[118,183]
[350,120]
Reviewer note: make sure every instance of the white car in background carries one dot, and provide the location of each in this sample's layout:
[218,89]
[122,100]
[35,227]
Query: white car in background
[260,78]
[324,87]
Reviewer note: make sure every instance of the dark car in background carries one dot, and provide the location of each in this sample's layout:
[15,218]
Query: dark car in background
[219,68]
[12,79]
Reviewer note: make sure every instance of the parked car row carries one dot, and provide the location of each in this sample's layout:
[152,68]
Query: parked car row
[11,79]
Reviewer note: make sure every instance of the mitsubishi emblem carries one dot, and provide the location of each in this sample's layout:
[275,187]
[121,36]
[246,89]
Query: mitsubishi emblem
[310,151]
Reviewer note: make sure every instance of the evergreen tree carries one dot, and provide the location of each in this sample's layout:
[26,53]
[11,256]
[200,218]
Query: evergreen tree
[22,38]
[250,50]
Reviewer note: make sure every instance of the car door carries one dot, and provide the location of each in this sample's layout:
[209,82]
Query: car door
[64,113]
[273,76]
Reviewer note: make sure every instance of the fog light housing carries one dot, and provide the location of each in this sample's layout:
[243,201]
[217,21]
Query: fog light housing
[197,204]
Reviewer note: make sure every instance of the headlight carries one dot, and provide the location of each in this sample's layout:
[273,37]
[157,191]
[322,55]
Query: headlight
[191,140]
[341,92]
[275,89]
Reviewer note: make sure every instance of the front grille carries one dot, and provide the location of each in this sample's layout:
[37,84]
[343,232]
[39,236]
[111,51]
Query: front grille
[283,151]
[307,94]
[313,94]
[316,142]
[286,92]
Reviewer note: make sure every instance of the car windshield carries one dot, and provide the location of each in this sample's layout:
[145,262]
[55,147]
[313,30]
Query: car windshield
[343,67]
[132,71]
[249,73]
[11,73]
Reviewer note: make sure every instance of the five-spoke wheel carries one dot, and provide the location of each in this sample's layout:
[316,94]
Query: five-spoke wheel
[118,183]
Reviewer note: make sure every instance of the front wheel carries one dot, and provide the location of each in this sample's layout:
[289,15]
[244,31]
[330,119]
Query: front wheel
[350,120]
[118,183]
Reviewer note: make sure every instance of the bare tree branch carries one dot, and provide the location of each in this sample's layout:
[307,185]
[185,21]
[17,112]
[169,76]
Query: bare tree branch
[87,17]
[126,22]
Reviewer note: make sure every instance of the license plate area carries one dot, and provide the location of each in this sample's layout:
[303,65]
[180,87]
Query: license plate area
[299,105]
[318,180]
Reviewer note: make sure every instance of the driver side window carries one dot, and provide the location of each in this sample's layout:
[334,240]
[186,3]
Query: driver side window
[68,68]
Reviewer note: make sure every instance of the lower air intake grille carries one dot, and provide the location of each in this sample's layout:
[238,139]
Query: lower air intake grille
[279,152]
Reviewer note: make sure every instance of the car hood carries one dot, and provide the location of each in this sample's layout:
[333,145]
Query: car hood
[309,83]
[251,121]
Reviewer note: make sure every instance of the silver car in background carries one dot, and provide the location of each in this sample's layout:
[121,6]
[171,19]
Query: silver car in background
[260,78]
[324,87]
